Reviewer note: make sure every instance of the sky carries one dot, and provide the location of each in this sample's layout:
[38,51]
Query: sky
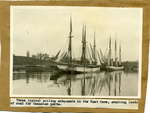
[46,29]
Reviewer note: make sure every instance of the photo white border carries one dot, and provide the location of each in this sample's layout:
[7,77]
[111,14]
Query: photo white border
[58,96]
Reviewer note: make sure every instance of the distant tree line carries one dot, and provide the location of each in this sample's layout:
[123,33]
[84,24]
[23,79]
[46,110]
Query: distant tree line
[38,59]
[132,66]
[42,56]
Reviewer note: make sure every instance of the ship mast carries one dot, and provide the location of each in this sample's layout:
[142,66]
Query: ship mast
[120,55]
[70,43]
[109,54]
[94,47]
[83,57]
[115,53]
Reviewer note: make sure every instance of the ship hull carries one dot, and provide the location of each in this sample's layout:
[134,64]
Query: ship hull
[78,69]
[114,68]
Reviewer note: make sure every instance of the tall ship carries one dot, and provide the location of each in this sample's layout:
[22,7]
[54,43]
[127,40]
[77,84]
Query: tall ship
[66,63]
[114,64]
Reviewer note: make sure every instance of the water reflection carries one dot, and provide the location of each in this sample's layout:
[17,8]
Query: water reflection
[89,84]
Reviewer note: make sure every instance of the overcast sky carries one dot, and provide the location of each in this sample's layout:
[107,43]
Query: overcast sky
[46,28]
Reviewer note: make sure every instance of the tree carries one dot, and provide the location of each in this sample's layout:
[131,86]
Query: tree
[41,56]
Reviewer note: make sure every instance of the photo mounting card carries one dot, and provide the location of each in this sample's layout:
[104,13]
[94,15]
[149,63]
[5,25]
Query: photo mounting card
[82,58]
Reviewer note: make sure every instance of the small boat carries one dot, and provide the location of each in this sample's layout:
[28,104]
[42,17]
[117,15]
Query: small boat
[19,71]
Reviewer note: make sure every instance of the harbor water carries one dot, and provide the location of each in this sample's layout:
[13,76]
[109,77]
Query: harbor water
[117,83]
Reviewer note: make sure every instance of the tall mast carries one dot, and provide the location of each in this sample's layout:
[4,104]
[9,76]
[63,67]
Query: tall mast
[94,47]
[70,43]
[83,57]
[120,55]
[109,54]
[115,53]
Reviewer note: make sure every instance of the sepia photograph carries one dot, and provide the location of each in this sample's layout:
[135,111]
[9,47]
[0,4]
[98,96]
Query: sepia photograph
[72,51]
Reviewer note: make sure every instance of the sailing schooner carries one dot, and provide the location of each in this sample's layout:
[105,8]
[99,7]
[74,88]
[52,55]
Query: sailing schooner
[114,65]
[82,66]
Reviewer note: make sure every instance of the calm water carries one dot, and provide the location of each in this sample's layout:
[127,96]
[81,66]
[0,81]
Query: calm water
[92,84]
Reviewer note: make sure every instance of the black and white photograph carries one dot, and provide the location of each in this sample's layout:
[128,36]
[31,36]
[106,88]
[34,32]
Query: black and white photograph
[72,51]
